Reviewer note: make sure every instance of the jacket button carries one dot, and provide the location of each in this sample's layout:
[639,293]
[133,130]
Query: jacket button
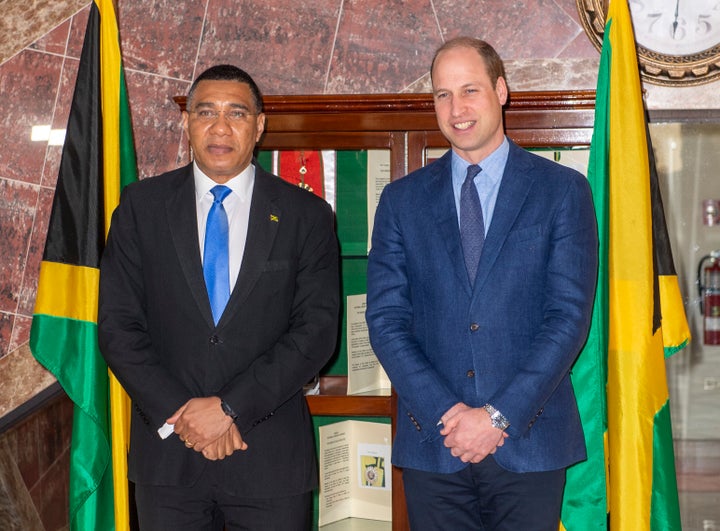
[214,340]
[470,373]
[474,327]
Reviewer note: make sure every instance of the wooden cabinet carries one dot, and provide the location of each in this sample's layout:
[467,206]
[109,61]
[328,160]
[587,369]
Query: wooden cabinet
[405,125]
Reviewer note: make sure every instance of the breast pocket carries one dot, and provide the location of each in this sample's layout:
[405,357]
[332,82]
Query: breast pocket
[525,234]
[275,265]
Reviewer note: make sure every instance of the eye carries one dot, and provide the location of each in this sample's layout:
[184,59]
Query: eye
[440,95]
[236,115]
[206,114]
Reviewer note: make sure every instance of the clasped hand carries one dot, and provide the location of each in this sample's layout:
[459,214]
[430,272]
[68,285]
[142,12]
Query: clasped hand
[205,428]
[469,433]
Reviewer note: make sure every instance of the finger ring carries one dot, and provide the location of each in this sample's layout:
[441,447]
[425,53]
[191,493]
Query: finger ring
[189,444]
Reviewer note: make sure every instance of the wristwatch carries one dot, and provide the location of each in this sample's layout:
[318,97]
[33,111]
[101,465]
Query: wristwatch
[228,410]
[497,419]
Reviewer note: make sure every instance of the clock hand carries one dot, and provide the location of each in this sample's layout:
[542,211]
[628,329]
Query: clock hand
[675,22]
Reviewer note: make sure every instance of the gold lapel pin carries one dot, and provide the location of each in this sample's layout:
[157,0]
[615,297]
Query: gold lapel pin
[274,218]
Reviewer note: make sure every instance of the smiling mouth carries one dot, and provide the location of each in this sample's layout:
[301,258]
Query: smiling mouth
[464,125]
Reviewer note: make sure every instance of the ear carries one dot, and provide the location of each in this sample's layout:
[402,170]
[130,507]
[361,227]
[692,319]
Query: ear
[501,90]
[259,125]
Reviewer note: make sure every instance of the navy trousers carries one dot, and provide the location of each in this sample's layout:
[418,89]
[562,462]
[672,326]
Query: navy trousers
[484,497]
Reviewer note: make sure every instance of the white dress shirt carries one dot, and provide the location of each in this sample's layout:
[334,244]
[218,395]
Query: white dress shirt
[237,207]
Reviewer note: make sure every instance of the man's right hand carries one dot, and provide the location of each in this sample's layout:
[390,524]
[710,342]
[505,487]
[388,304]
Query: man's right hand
[225,445]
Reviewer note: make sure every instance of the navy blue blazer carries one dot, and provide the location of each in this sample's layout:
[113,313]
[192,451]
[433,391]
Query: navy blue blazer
[511,340]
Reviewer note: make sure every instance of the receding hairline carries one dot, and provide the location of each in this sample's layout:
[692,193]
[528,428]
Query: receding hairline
[492,61]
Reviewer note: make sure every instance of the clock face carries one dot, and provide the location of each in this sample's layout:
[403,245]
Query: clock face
[678,41]
[676,27]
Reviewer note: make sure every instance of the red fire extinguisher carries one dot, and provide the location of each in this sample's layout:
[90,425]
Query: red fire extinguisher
[708,282]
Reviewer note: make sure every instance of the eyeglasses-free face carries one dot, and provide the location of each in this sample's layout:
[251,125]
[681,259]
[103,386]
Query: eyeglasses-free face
[223,128]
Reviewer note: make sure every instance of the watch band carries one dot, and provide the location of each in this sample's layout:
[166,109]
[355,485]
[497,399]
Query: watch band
[497,419]
[228,410]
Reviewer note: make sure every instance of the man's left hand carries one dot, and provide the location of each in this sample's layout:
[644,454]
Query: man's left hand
[470,435]
[200,421]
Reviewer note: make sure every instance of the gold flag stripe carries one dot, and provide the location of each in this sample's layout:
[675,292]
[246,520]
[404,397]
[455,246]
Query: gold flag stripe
[76,296]
[676,333]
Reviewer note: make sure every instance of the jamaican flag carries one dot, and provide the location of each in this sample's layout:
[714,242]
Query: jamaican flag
[98,159]
[639,315]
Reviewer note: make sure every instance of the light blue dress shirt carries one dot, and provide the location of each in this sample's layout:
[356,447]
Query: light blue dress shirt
[487,181]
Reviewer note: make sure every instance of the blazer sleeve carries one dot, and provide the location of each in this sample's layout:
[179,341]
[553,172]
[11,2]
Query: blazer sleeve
[308,338]
[123,335]
[390,315]
[565,306]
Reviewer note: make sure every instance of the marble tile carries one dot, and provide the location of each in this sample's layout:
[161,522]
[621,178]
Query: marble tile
[284,46]
[517,30]
[18,201]
[20,335]
[63,102]
[161,37]
[551,74]
[28,20]
[55,41]
[28,83]
[23,378]
[6,325]
[77,32]
[382,46]
[580,47]
[157,122]
[36,246]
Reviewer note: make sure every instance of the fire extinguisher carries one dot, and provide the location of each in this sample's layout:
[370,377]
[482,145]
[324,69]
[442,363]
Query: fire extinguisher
[708,282]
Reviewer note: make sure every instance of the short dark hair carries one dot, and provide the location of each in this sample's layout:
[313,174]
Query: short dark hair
[228,73]
[493,63]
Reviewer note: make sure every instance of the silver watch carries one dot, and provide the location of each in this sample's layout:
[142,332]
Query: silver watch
[497,419]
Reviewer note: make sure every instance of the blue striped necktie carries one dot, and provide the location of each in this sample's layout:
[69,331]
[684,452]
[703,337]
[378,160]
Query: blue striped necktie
[472,226]
[216,255]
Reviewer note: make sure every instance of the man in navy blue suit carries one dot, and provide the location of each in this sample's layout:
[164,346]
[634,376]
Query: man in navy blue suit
[480,289]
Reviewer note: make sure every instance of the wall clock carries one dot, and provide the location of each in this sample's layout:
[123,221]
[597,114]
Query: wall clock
[678,41]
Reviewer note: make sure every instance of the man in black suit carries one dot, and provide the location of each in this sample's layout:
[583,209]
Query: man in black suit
[222,375]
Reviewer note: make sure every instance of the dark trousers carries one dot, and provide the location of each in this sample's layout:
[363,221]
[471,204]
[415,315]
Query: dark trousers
[206,506]
[484,497]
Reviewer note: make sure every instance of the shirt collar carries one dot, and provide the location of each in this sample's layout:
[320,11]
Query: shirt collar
[493,166]
[240,185]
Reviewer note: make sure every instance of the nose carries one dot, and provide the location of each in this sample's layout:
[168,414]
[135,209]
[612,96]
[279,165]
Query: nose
[220,123]
[456,106]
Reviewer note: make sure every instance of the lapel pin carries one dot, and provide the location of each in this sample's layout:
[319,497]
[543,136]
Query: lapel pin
[274,218]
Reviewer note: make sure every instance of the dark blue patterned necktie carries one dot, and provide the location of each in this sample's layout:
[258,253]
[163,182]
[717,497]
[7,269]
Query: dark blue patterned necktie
[216,255]
[472,227]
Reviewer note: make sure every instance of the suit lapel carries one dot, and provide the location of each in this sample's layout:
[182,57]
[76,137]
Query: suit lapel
[181,214]
[514,189]
[442,199]
[265,219]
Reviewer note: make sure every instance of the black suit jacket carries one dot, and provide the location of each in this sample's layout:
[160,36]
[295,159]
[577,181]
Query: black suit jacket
[279,328]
